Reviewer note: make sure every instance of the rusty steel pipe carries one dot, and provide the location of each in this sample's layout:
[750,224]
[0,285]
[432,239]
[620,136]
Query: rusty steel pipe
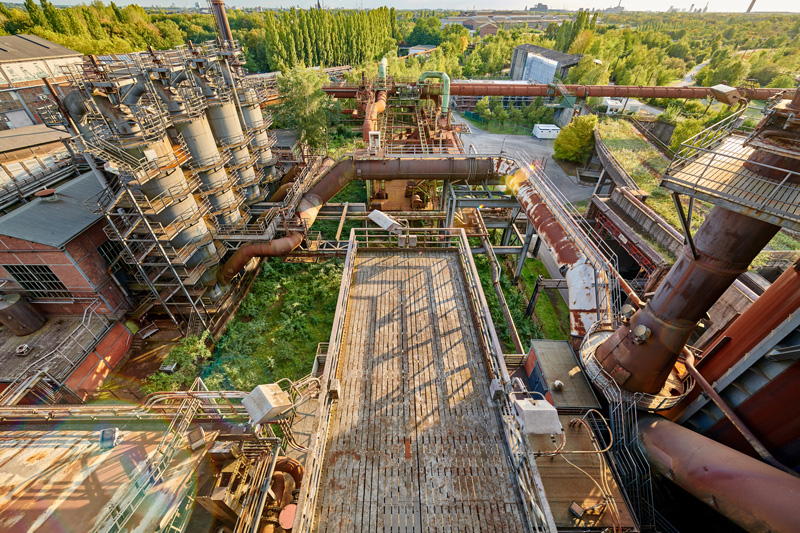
[777,304]
[741,427]
[726,244]
[747,491]
[281,192]
[583,91]
[578,273]
[218,8]
[372,111]
[337,178]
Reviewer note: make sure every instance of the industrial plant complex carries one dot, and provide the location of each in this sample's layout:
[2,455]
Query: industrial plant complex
[141,192]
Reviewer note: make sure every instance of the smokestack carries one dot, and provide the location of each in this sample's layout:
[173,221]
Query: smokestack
[218,9]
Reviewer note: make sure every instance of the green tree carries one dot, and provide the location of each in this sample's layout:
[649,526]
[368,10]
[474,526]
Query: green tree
[574,142]
[36,14]
[304,106]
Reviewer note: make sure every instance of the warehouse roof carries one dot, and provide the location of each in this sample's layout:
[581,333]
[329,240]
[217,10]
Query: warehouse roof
[563,59]
[29,47]
[28,136]
[55,222]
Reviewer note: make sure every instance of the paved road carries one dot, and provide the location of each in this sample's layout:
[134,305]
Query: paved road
[689,78]
[485,142]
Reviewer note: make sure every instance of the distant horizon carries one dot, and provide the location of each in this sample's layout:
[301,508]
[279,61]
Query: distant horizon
[643,6]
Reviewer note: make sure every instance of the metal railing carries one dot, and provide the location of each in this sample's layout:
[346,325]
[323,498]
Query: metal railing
[82,339]
[591,245]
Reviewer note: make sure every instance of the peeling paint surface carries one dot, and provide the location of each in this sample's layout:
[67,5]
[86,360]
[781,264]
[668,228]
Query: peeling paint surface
[60,480]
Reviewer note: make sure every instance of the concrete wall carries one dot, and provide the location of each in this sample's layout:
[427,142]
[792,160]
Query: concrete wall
[661,130]
[79,266]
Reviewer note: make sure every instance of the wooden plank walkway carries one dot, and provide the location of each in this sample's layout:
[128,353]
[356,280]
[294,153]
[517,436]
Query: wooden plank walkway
[415,444]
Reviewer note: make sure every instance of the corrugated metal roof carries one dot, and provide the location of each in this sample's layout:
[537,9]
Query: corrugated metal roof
[55,223]
[29,47]
[27,136]
[562,58]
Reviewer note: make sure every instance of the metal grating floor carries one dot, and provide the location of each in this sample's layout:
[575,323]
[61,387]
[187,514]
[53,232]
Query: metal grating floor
[719,177]
[415,444]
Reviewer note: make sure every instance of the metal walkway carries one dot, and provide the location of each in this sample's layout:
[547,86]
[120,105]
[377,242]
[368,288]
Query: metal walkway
[415,444]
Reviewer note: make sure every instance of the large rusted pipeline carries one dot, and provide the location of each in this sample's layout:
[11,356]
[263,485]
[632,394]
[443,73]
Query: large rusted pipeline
[750,493]
[579,274]
[218,8]
[373,110]
[757,322]
[726,244]
[338,177]
[583,91]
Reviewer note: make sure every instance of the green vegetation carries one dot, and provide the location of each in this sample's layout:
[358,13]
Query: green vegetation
[575,141]
[304,107]
[282,319]
[495,116]
[646,165]
[189,355]
[526,328]
[628,48]
[551,311]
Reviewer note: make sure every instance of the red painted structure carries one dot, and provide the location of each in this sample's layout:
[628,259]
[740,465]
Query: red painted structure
[772,413]
[98,365]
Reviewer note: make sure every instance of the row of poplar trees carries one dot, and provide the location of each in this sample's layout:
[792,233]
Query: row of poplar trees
[318,37]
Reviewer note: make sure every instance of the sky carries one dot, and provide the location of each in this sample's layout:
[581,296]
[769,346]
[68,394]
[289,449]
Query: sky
[739,6]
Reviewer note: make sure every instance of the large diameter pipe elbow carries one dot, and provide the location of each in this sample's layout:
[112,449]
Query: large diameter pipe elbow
[725,245]
[273,248]
[754,495]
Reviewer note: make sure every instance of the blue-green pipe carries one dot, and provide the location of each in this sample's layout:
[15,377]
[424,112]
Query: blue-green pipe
[445,87]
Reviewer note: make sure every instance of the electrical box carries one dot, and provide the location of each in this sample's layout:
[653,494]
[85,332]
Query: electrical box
[374,141]
[726,95]
[267,402]
[385,221]
[109,437]
[496,389]
[334,388]
[196,439]
[537,417]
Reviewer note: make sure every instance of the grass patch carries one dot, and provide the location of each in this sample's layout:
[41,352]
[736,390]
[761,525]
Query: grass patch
[551,310]
[526,328]
[282,319]
[646,165]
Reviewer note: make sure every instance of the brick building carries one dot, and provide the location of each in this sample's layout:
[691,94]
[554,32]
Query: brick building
[54,251]
[24,61]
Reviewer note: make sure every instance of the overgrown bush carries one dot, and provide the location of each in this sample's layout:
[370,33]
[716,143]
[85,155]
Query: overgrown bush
[574,143]
[275,334]
[189,354]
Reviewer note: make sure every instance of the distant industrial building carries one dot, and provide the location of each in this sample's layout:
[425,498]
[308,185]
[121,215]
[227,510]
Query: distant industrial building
[24,61]
[539,64]
[505,20]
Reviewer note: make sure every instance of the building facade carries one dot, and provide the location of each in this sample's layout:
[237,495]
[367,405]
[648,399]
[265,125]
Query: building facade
[24,61]
[540,65]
